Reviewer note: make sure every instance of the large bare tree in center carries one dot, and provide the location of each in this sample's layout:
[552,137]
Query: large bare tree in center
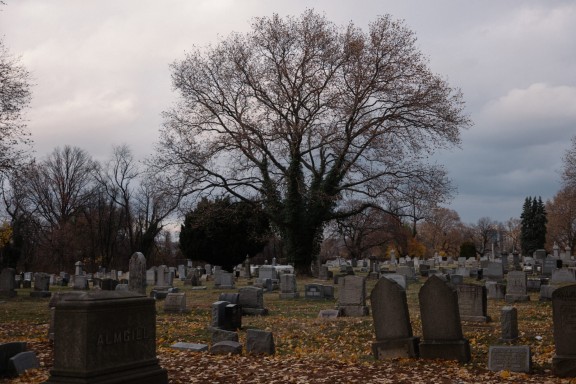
[301,114]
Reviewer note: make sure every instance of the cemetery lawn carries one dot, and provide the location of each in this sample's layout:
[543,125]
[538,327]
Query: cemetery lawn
[308,349]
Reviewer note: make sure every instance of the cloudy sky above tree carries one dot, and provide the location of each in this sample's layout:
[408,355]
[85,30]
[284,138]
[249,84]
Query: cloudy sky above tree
[102,77]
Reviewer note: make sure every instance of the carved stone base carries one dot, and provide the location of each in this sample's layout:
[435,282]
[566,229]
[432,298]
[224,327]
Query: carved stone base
[564,366]
[446,350]
[395,348]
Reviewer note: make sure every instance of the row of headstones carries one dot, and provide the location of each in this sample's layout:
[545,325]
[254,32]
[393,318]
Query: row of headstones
[442,336]
[258,342]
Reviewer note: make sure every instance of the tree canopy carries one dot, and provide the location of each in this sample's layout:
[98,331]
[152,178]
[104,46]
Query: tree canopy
[300,114]
[223,232]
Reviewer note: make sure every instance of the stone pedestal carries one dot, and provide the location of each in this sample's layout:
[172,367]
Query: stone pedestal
[105,337]
[395,348]
[446,350]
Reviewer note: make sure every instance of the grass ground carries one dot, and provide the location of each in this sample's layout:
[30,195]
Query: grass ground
[308,349]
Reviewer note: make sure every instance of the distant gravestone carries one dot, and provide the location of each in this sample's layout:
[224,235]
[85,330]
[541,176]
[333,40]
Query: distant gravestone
[399,279]
[564,318]
[509,324]
[494,271]
[80,282]
[137,266]
[441,327]
[219,335]
[407,271]
[318,291]
[175,303]
[329,314]
[106,336]
[151,276]
[352,298]
[226,348]
[288,289]
[251,300]
[162,277]
[392,326]
[259,342]
[495,290]
[472,303]
[549,265]
[226,280]
[7,282]
[510,358]
[516,287]
[7,351]
[41,285]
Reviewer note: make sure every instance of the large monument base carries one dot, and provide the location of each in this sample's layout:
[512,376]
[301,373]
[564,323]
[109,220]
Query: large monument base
[395,348]
[446,350]
[564,366]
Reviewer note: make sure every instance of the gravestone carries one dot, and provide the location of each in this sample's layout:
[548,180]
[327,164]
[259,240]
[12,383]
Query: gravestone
[151,276]
[516,287]
[442,336]
[219,335]
[108,284]
[175,303]
[226,280]
[560,277]
[80,282]
[472,303]
[407,271]
[182,272]
[105,337]
[226,348]
[494,271]
[251,300]
[352,297]
[288,289]
[231,297]
[21,362]
[259,342]
[226,316]
[564,319]
[495,290]
[41,285]
[162,277]
[318,291]
[323,272]
[510,358]
[329,313]
[392,326]
[7,282]
[509,324]
[137,266]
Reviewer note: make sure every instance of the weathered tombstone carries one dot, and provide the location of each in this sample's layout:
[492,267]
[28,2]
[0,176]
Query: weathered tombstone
[564,318]
[151,276]
[495,290]
[516,287]
[182,272]
[105,337]
[226,280]
[78,268]
[162,277]
[352,297]
[407,271]
[549,266]
[21,362]
[441,327]
[509,324]
[329,313]
[560,277]
[7,282]
[219,314]
[80,282]
[175,303]
[219,335]
[137,266]
[510,358]
[323,272]
[41,285]
[494,271]
[226,348]
[259,342]
[456,279]
[231,297]
[318,291]
[288,289]
[472,303]
[392,326]
[251,300]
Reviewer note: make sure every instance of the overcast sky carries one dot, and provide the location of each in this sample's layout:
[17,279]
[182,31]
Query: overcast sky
[101,77]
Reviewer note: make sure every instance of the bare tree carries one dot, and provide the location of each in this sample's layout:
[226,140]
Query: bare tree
[15,96]
[303,114]
[569,160]
[561,213]
[442,232]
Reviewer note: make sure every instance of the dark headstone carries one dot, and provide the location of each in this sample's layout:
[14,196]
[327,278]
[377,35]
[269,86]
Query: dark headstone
[509,324]
[441,327]
[7,351]
[105,337]
[564,318]
[391,322]
[510,358]
[232,298]
[251,300]
[352,297]
[219,335]
[472,302]
[516,287]
[7,282]
[259,342]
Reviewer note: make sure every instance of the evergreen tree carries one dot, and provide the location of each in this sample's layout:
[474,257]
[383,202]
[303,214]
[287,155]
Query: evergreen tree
[533,225]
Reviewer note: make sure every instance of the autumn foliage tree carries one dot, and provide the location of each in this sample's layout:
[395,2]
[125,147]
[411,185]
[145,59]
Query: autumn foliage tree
[302,114]
[561,214]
